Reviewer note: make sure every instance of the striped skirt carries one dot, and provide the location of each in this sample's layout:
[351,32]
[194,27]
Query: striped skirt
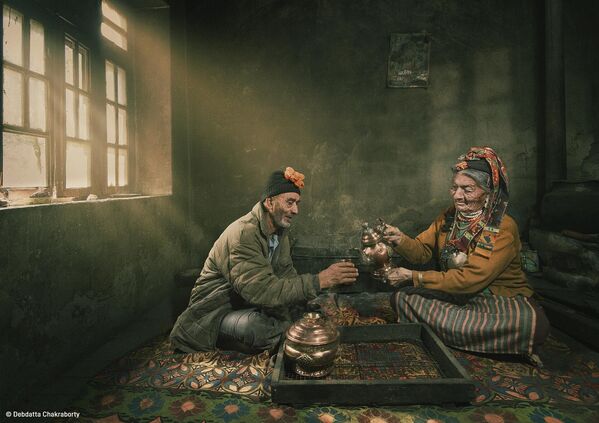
[486,323]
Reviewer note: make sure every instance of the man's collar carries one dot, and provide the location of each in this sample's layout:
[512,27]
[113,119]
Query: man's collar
[262,215]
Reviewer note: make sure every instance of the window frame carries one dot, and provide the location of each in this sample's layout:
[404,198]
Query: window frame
[56,31]
[123,59]
[93,137]
[29,13]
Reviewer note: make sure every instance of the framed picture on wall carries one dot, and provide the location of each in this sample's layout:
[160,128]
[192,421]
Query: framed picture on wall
[409,56]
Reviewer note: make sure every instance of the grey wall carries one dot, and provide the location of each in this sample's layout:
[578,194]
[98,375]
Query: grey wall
[72,274]
[303,83]
[581,41]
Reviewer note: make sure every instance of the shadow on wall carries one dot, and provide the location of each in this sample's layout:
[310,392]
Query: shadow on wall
[303,84]
[75,273]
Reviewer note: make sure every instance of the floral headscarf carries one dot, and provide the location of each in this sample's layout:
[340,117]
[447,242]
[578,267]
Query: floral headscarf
[483,159]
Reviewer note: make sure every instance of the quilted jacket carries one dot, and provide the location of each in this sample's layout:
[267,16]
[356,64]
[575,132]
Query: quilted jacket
[237,275]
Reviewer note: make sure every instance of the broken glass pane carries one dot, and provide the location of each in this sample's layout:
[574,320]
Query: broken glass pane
[68,62]
[110,124]
[122,167]
[83,69]
[112,15]
[12,98]
[116,37]
[111,168]
[122,86]
[13,35]
[24,161]
[70,113]
[109,81]
[83,117]
[122,126]
[37,58]
[78,165]
[37,104]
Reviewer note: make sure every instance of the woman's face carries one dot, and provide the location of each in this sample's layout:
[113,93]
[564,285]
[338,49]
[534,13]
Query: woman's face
[467,196]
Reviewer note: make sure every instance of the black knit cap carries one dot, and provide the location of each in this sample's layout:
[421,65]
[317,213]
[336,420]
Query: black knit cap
[484,166]
[278,184]
[481,165]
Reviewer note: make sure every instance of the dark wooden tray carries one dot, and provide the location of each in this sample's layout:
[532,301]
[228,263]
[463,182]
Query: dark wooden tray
[450,383]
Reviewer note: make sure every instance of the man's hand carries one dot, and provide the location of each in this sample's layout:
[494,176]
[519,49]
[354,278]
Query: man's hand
[398,275]
[343,273]
[392,235]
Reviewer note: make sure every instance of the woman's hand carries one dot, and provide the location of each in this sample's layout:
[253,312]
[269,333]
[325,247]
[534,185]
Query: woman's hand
[397,275]
[392,235]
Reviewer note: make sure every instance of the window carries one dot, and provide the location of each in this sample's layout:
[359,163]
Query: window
[77,115]
[114,29]
[116,125]
[68,111]
[114,25]
[25,93]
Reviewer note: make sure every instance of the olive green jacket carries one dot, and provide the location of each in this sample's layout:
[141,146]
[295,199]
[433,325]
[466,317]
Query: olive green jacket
[237,275]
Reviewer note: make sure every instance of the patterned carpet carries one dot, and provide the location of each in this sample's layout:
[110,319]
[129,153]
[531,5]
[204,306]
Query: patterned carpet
[155,384]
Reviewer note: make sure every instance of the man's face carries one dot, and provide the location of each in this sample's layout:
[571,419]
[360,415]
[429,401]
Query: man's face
[282,208]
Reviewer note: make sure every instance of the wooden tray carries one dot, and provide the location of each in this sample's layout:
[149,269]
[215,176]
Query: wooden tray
[429,374]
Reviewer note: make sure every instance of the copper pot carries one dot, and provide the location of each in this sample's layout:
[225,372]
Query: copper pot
[375,251]
[311,345]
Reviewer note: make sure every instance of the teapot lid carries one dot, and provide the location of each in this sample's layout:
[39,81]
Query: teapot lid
[369,235]
[312,329]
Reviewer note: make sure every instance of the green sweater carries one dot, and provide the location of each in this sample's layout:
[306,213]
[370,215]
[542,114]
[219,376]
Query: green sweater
[237,275]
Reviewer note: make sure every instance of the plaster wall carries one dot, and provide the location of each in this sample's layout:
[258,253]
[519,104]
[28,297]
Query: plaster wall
[581,39]
[72,274]
[303,84]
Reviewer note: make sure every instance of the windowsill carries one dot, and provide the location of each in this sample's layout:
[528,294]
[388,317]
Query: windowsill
[48,201]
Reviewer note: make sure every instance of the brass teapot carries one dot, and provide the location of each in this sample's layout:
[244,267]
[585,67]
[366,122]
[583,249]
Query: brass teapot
[311,345]
[375,251]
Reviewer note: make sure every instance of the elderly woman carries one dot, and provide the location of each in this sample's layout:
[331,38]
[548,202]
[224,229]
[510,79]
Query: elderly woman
[479,299]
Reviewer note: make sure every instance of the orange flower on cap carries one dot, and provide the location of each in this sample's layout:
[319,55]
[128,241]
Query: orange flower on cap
[295,177]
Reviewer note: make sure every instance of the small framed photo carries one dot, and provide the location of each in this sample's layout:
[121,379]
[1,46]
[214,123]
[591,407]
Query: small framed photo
[409,56]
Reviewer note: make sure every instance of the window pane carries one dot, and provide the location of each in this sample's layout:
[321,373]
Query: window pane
[122,167]
[83,117]
[70,113]
[37,58]
[37,104]
[111,168]
[12,98]
[110,81]
[110,33]
[68,62]
[78,165]
[110,124]
[83,69]
[122,86]
[112,15]
[24,161]
[122,126]
[13,35]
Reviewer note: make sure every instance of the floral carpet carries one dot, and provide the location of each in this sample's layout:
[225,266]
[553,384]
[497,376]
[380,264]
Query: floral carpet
[155,384]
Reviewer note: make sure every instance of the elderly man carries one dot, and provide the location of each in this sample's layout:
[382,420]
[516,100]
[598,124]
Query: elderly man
[248,292]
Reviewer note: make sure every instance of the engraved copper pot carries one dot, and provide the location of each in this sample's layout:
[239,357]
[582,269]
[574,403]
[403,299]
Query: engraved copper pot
[311,345]
[375,251]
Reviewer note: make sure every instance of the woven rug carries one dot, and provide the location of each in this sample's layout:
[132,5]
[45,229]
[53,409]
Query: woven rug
[154,383]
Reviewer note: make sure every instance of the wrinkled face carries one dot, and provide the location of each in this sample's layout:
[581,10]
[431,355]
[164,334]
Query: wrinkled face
[467,196]
[282,208]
